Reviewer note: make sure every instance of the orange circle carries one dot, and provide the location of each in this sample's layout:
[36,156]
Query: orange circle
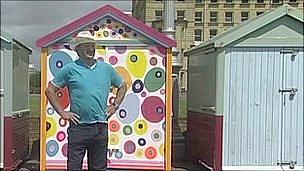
[150,153]
[114,126]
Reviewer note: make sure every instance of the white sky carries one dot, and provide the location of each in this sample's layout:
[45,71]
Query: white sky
[27,21]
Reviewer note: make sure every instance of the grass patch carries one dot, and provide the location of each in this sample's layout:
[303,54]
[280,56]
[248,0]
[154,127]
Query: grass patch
[35,105]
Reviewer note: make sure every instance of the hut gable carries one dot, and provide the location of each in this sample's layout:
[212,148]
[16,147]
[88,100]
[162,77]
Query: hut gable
[104,24]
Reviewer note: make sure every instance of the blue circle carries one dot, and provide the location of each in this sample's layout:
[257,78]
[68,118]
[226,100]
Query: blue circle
[109,21]
[156,135]
[120,31]
[137,86]
[96,27]
[131,106]
[113,34]
[118,154]
[133,58]
[59,64]
[141,141]
[122,113]
[52,148]
[57,60]
[50,111]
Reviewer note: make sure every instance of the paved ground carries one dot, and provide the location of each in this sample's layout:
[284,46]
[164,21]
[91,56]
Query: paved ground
[181,166]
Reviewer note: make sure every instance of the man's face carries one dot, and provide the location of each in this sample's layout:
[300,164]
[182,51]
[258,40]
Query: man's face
[86,50]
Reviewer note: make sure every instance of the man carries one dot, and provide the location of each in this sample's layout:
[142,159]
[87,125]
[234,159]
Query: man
[89,82]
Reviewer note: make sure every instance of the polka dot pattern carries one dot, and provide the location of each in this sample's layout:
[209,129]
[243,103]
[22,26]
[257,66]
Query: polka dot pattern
[136,131]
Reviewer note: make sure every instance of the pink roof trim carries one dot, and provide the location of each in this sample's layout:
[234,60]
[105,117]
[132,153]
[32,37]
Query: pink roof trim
[108,9]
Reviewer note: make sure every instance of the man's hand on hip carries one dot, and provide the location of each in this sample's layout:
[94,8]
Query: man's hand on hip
[110,110]
[70,116]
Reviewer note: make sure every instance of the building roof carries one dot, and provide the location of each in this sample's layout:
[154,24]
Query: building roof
[235,33]
[9,39]
[100,13]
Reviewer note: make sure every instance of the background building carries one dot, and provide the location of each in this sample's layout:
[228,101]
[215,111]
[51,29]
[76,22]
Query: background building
[197,21]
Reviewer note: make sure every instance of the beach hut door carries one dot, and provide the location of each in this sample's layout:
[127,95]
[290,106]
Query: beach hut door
[292,115]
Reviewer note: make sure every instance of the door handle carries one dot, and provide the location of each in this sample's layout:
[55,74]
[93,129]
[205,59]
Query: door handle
[1,92]
[212,108]
[292,91]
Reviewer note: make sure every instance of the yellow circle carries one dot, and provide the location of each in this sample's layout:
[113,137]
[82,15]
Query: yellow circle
[98,34]
[139,153]
[100,50]
[161,149]
[113,139]
[137,63]
[141,127]
[53,127]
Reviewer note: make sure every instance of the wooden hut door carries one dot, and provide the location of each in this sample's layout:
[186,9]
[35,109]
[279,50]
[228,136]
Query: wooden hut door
[292,116]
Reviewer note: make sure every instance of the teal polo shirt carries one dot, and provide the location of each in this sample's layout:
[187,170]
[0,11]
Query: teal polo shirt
[89,88]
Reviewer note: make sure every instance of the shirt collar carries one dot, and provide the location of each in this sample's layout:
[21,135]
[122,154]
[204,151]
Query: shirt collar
[81,62]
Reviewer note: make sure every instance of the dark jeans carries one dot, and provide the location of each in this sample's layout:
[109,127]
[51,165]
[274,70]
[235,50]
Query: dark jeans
[90,137]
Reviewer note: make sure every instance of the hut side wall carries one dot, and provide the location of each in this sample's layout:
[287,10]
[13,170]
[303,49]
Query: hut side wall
[204,133]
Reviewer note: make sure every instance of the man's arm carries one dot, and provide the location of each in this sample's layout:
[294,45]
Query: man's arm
[120,95]
[121,91]
[50,93]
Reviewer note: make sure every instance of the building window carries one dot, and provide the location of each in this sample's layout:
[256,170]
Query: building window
[275,1]
[158,14]
[213,1]
[292,1]
[198,1]
[244,16]
[213,16]
[180,14]
[228,17]
[260,1]
[229,1]
[197,35]
[259,13]
[198,17]
[245,1]
[213,32]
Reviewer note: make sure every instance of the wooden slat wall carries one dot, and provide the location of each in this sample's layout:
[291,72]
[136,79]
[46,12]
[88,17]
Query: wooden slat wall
[204,139]
[20,144]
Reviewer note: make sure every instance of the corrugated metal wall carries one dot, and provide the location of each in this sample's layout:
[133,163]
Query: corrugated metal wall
[258,128]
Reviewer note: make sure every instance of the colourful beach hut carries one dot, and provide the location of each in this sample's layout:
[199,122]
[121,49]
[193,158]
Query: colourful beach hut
[140,131]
